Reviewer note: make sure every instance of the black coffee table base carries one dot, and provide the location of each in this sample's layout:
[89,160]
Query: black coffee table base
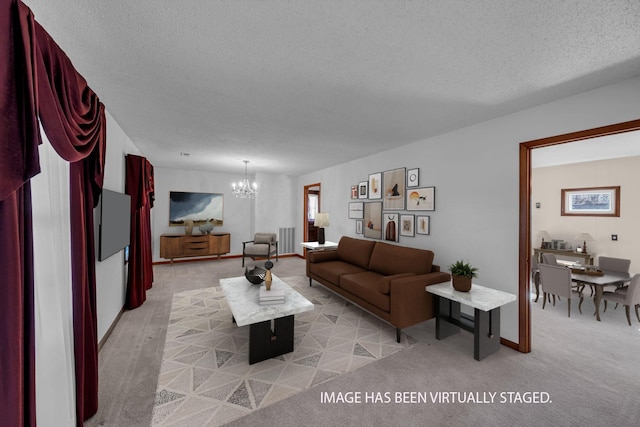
[266,343]
[485,326]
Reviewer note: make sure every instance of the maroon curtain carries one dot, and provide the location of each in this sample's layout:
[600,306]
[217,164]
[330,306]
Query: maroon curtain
[19,162]
[74,121]
[140,186]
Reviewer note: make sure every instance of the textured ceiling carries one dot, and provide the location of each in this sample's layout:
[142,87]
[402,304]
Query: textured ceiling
[300,85]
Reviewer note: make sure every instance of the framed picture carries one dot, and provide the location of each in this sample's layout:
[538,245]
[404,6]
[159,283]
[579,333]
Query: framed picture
[421,199]
[394,188]
[356,210]
[375,186]
[373,220]
[407,225]
[423,223]
[391,227]
[362,190]
[197,207]
[354,191]
[593,201]
[413,178]
[359,226]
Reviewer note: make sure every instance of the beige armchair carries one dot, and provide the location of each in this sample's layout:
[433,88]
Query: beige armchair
[263,245]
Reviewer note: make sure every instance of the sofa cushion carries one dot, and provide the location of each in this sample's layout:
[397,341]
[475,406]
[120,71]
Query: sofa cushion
[369,286]
[355,251]
[389,259]
[332,270]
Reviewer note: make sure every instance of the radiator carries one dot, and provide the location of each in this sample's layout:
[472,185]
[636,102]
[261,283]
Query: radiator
[287,240]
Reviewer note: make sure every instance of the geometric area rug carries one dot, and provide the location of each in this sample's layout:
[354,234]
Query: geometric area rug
[205,376]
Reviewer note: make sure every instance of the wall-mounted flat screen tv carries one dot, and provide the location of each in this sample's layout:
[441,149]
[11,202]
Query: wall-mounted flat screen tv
[115,223]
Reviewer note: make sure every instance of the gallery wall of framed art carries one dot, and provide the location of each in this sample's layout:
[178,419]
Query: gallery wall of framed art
[383,201]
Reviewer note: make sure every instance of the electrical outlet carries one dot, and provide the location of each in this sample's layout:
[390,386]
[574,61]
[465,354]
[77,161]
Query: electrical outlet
[614,237]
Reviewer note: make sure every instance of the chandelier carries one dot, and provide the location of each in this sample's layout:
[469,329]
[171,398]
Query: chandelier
[243,189]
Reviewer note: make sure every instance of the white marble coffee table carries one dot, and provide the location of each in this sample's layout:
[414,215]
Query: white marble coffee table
[265,342]
[485,324]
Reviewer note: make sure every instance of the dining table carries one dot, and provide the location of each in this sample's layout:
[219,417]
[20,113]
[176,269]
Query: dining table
[599,280]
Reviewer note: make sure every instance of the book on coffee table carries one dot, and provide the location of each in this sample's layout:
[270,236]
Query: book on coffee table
[273,296]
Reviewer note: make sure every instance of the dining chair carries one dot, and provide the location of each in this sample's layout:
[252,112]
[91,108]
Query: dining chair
[556,280]
[614,265]
[630,299]
[535,275]
[549,259]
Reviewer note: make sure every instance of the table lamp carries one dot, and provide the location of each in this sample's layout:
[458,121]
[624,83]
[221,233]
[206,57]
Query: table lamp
[584,237]
[322,220]
[543,234]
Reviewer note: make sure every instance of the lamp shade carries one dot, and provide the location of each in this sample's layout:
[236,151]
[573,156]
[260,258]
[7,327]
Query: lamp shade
[544,234]
[322,220]
[585,237]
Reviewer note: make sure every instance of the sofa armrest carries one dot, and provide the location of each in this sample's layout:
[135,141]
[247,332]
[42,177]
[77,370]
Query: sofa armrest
[410,303]
[322,256]
[435,268]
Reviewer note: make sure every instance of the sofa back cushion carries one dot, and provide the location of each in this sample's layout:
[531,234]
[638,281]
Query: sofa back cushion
[355,251]
[391,259]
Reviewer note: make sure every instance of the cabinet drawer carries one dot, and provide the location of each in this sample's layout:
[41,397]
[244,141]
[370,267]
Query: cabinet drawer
[195,251]
[195,239]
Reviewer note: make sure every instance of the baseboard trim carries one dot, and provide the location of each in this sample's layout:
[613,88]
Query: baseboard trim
[215,258]
[110,330]
[510,344]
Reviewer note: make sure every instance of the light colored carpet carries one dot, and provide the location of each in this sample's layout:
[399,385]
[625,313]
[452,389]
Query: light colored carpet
[589,368]
[205,378]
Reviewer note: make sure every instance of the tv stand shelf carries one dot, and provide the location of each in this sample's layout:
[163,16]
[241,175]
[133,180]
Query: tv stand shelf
[192,245]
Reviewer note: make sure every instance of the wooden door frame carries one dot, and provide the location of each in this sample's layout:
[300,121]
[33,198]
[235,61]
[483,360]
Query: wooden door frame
[524,280]
[305,201]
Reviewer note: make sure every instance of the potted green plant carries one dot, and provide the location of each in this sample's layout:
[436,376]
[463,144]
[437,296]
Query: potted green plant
[461,275]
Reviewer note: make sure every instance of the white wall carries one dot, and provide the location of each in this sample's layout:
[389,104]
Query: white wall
[270,210]
[111,280]
[546,186]
[476,174]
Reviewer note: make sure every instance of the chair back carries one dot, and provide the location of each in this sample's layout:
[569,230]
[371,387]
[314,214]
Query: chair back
[549,259]
[555,280]
[633,291]
[262,238]
[619,265]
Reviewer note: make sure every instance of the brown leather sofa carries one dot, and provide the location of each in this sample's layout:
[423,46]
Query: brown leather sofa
[387,280]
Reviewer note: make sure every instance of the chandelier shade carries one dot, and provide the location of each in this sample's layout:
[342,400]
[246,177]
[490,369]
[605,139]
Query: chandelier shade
[242,189]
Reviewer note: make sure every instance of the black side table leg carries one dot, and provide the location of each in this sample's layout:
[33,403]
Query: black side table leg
[486,333]
[447,311]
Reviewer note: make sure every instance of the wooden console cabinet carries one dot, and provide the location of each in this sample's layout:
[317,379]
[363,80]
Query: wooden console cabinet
[191,245]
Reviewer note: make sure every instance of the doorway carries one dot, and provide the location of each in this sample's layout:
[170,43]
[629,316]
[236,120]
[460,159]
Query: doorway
[311,208]
[525,244]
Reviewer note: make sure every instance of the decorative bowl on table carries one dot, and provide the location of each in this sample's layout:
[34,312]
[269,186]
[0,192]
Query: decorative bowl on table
[256,275]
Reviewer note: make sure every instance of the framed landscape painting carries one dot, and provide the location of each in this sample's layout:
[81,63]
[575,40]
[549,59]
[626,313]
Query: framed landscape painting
[593,201]
[197,207]
[356,210]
